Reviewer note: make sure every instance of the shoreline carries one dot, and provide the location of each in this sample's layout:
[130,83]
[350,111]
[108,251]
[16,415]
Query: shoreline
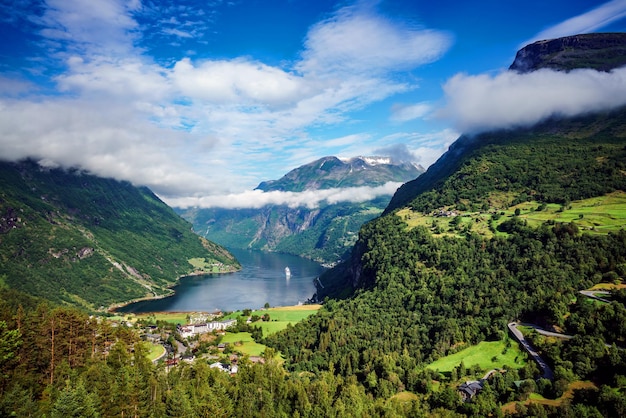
[113,308]
[309,307]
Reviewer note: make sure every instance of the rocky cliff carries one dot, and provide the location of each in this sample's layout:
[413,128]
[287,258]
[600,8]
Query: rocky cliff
[598,51]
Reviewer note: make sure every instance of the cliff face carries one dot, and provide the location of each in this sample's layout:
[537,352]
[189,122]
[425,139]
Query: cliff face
[598,51]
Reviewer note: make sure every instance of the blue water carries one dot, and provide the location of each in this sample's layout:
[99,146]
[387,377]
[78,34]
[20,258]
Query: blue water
[262,279]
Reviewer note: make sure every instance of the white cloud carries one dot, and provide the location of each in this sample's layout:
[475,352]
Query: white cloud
[404,113]
[102,24]
[509,99]
[356,41]
[590,21]
[127,77]
[106,139]
[237,81]
[11,86]
[190,127]
[424,148]
[177,32]
[255,199]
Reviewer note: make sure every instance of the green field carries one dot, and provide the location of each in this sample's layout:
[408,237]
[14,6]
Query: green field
[598,215]
[280,317]
[243,342]
[487,354]
[201,264]
[156,350]
[172,317]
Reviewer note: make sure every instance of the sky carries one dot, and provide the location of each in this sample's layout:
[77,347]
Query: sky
[202,100]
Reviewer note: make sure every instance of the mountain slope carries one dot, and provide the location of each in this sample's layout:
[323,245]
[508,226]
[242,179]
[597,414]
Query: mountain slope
[414,292]
[556,161]
[79,239]
[324,233]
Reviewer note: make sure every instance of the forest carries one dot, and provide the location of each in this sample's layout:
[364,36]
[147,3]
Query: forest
[361,356]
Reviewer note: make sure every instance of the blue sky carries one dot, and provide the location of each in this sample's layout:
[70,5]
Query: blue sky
[203,100]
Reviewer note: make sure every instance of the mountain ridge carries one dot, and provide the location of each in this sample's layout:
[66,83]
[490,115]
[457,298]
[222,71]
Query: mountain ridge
[333,172]
[598,51]
[75,238]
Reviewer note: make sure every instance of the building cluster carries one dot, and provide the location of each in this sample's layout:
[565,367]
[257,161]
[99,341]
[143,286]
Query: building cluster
[189,330]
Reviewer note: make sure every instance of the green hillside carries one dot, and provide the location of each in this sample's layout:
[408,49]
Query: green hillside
[555,162]
[75,238]
[507,225]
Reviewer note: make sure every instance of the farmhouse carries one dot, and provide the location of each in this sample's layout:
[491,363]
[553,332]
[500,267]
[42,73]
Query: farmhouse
[469,389]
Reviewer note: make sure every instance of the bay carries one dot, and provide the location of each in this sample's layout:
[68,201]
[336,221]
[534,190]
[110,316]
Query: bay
[261,280]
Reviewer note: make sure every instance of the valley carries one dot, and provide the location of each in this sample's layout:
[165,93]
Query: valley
[435,297]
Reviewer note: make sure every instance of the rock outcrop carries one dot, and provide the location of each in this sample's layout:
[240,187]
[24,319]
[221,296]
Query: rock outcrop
[599,51]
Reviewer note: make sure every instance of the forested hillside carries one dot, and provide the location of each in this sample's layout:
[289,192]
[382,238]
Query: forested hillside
[424,281]
[75,238]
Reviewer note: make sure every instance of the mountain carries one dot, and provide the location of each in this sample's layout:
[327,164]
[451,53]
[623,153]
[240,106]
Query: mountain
[75,238]
[332,172]
[598,51]
[323,233]
[507,225]
[601,51]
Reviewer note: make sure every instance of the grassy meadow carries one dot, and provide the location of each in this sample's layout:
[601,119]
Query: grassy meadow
[598,215]
[487,354]
[243,342]
[280,317]
[156,351]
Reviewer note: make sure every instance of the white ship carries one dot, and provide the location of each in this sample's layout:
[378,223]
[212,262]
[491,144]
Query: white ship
[287,272]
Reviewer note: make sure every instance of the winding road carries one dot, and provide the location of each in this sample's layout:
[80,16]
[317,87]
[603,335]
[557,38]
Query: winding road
[547,371]
[593,294]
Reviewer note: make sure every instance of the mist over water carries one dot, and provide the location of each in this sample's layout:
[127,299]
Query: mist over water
[262,279]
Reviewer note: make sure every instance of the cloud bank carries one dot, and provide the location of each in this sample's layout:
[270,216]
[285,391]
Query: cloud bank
[194,126]
[509,99]
[255,199]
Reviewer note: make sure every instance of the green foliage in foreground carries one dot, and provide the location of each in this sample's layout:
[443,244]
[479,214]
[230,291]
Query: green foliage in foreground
[61,362]
[83,240]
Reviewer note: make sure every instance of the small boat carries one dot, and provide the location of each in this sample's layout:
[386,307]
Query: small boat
[287,272]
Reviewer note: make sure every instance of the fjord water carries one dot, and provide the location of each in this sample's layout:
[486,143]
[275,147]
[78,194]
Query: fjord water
[262,279]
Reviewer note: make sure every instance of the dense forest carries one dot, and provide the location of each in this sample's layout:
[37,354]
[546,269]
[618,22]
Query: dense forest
[354,357]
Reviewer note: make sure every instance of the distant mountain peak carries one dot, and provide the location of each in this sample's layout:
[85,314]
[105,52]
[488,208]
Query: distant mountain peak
[368,160]
[331,172]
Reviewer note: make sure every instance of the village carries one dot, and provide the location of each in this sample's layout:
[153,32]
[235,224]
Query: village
[198,337]
[225,340]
